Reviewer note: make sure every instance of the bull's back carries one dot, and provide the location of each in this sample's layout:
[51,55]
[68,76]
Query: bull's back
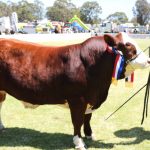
[38,73]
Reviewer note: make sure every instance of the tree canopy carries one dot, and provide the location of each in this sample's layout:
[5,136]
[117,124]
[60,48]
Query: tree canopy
[62,10]
[118,17]
[142,11]
[26,11]
[90,12]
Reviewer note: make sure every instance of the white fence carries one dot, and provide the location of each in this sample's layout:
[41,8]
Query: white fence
[52,38]
[62,39]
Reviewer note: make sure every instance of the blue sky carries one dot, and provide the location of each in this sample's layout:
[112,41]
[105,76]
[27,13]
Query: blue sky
[108,6]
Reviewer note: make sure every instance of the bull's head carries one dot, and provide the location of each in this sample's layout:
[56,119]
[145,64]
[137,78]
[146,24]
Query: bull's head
[135,57]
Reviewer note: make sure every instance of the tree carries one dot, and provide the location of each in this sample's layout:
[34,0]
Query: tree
[26,11]
[90,12]
[142,11]
[118,17]
[38,6]
[5,9]
[62,10]
[134,21]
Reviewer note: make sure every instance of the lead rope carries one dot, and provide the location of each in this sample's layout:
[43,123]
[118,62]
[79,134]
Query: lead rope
[146,98]
[126,101]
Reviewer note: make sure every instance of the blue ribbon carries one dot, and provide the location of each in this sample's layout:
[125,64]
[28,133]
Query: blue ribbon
[114,50]
[121,66]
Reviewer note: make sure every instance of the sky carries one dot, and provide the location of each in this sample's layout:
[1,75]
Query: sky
[108,6]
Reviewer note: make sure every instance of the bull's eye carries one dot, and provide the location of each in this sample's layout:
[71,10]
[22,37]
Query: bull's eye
[128,44]
[129,56]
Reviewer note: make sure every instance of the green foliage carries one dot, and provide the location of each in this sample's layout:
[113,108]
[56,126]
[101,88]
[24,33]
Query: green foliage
[29,11]
[6,8]
[62,10]
[90,12]
[142,11]
[38,9]
[118,17]
[26,11]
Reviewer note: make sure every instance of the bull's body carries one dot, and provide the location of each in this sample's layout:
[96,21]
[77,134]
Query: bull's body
[78,74]
[47,75]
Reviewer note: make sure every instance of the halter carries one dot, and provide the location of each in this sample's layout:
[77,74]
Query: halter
[113,50]
[130,60]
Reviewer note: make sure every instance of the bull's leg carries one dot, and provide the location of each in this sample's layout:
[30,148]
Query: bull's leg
[2,98]
[87,127]
[77,114]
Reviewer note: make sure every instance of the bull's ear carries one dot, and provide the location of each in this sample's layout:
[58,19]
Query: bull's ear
[110,40]
[120,46]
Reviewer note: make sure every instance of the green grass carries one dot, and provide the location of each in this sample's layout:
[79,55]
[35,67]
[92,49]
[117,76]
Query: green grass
[50,127]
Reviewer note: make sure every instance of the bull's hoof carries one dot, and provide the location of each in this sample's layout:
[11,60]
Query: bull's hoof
[79,144]
[92,137]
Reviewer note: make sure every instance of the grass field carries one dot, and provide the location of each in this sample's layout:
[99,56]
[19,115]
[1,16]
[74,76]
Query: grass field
[50,127]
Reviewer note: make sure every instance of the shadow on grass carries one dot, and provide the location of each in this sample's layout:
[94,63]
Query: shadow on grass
[11,137]
[98,144]
[138,133]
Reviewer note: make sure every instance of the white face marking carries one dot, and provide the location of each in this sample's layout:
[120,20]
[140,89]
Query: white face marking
[140,62]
